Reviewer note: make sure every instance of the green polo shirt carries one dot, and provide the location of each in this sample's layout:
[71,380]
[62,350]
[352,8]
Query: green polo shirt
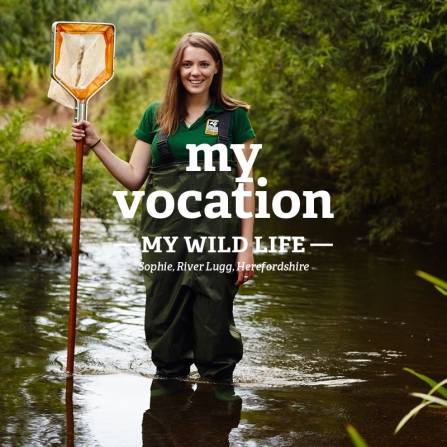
[202,131]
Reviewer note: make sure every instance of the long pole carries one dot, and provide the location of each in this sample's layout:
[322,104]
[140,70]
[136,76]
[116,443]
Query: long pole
[75,257]
[80,114]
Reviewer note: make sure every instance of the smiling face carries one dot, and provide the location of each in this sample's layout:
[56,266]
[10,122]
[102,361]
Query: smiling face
[197,70]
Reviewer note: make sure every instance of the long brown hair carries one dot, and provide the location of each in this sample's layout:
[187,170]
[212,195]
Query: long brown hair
[173,109]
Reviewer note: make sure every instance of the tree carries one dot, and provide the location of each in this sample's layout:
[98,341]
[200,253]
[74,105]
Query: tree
[346,94]
[134,20]
[25,31]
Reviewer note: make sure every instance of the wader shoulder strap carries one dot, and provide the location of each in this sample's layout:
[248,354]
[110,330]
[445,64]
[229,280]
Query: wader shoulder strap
[224,127]
[222,137]
[163,148]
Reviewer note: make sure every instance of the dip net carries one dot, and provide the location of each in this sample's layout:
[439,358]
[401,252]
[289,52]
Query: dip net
[82,60]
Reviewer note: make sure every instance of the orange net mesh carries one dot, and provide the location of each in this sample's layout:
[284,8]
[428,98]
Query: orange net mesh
[83,57]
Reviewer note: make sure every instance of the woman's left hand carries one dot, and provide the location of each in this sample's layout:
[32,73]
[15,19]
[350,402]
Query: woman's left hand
[244,267]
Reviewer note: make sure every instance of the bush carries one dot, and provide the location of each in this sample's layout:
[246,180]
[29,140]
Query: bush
[36,186]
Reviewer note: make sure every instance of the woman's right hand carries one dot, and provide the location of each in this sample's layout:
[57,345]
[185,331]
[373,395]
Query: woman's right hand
[83,129]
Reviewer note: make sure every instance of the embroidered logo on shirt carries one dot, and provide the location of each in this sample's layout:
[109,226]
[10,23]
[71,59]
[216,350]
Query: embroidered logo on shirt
[211,127]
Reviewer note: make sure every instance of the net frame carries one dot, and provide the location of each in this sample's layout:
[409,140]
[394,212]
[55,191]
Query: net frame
[82,95]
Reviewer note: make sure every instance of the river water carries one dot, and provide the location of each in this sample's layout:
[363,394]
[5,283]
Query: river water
[323,348]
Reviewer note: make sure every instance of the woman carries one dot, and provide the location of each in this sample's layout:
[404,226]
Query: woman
[189,316]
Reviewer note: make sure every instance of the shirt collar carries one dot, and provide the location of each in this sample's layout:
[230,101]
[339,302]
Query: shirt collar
[214,108]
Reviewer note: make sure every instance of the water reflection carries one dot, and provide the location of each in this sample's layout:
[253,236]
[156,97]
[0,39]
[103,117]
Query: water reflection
[30,404]
[69,411]
[186,414]
[322,348]
[130,410]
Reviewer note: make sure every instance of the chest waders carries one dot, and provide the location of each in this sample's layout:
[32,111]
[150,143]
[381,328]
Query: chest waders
[189,310]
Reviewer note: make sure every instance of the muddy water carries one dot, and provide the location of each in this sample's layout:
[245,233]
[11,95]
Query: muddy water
[323,347]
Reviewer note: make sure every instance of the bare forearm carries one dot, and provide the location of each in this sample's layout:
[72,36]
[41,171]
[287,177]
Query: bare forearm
[244,259]
[123,171]
[132,174]
[248,223]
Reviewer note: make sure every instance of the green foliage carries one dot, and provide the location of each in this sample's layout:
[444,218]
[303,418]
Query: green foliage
[128,97]
[429,381]
[347,96]
[97,188]
[428,400]
[439,284]
[25,31]
[357,440]
[36,184]
[30,190]
[365,80]
[134,20]
[129,94]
